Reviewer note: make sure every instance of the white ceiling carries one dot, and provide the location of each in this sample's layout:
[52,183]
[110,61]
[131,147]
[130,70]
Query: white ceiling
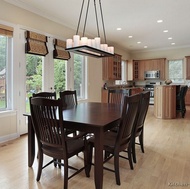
[136,17]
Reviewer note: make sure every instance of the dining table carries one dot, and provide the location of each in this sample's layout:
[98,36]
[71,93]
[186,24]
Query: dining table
[90,117]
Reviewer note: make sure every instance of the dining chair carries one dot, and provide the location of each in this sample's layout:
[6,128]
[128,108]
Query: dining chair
[47,118]
[138,128]
[116,142]
[50,95]
[180,98]
[117,95]
[69,98]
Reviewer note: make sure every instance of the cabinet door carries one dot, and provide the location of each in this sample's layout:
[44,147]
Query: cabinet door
[111,68]
[104,96]
[187,67]
[187,97]
[161,66]
[129,70]
[135,70]
[141,70]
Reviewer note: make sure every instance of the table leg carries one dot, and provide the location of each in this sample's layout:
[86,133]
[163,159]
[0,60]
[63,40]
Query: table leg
[98,161]
[31,142]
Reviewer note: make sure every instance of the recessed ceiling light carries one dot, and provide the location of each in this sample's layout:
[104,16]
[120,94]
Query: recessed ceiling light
[172,43]
[145,47]
[130,36]
[169,38]
[118,29]
[159,21]
[138,42]
[165,31]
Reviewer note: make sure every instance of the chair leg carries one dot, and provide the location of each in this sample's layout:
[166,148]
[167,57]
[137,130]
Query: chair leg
[130,156]
[116,166]
[65,173]
[40,164]
[133,151]
[141,140]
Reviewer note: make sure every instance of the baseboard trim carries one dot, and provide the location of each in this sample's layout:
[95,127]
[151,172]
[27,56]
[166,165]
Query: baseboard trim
[9,137]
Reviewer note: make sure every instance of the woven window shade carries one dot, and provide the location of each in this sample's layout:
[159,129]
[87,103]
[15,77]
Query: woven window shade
[6,31]
[36,43]
[59,51]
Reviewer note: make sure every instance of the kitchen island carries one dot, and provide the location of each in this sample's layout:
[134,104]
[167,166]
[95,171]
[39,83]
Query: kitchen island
[165,101]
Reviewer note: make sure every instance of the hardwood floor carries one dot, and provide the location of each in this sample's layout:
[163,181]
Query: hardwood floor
[165,163]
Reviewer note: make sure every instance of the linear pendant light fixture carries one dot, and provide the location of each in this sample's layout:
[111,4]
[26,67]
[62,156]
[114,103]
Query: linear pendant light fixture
[90,47]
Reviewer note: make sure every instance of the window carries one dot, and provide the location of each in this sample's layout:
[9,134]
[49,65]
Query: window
[5,72]
[176,70]
[59,75]
[33,76]
[79,75]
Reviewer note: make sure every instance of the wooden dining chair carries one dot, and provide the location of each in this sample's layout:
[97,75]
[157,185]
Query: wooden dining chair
[117,95]
[69,98]
[47,118]
[116,142]
[138,128]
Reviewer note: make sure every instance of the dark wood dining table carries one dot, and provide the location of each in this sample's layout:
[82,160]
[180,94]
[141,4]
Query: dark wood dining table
[91,117]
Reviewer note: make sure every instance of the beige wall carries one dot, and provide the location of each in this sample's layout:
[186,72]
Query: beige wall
[166,53]
[8,126]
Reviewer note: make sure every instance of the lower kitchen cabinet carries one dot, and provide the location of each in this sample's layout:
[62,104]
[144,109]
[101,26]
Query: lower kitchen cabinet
[165,101]
[187,97]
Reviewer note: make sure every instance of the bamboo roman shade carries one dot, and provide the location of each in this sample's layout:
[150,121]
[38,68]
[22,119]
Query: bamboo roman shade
[6,30]
[36,43]
[59,50]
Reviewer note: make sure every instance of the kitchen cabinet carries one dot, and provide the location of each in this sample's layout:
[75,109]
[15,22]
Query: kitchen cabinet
[111,67]
[136,68]
[133,68]
[187,67]
[156,64]
[165,101]
[104,98]
[187,97]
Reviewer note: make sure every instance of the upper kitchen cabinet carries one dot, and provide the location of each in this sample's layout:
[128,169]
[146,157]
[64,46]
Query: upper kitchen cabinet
[156,64]
[136,68]
[111,67]
[187,67]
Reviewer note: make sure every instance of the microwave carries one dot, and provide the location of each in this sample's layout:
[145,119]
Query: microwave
[153,74]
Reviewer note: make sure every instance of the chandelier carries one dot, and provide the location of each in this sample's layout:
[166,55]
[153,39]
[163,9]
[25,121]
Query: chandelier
[90,47]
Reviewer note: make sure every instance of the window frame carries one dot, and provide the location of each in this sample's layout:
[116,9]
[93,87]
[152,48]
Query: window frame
[183,71]
[8,72]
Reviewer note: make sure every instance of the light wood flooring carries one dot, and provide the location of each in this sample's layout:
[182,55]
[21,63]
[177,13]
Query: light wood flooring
[165,163]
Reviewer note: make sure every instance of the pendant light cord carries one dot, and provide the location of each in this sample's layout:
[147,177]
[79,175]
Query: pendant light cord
[80,17]
[102,21]
[96,19]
